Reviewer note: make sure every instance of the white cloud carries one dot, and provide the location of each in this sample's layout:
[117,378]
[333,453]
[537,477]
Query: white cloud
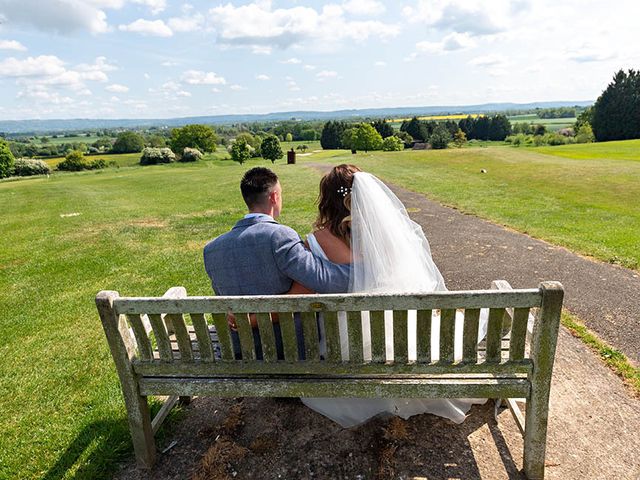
[60,16]
[237,88]
[380,63]
[364,7]
[41,94]
[197,77]
[117,88]
[309,68]
[258,24]
[156,6]
[155,28]
[216,90]
[292,61]
[147,76]
[262,76]
[183,93]
[587,53]
[44,65]
[190,23]
[475,17]
[452,42]
[261,49]
[12,45]
[169,63]
[325,74]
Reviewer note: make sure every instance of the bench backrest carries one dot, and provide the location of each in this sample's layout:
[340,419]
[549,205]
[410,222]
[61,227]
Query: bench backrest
[173,336]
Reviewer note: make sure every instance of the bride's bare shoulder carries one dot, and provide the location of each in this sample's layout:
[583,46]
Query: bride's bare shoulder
[334,247]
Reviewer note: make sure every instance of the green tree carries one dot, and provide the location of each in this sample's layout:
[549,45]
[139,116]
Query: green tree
[7,159]
[416,129]
[499,127]
[240,151]
[270,148]
[128,142]
[197,136]
[156,141]
[392,144]
[440,138]
[459,138]
[332,134]
[616,113]
[348,138]
[384,128]
[367,138]
[288,137]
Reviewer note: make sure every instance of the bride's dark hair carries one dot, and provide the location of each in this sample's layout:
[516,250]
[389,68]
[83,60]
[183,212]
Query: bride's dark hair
[334,201]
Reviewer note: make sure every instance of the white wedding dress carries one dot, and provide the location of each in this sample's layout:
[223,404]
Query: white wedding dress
[392,256]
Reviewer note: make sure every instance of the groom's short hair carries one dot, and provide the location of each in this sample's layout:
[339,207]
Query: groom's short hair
[256,185]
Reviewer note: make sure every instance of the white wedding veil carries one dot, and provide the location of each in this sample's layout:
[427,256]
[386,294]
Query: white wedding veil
[390,251]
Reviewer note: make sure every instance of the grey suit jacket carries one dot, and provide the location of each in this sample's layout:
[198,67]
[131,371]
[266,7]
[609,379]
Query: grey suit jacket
[259,256]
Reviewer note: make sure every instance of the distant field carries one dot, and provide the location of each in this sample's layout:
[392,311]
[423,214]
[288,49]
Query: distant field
[553,124]
[74,139]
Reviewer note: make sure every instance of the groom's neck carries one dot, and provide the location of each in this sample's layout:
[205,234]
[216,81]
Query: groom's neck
[266,211]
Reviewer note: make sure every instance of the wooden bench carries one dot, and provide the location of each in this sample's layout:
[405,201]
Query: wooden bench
[167,346]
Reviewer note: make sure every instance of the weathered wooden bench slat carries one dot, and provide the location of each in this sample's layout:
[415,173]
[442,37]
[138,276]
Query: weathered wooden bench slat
[333,302]
[423,336]
[354,326]
[222,329]
[182,336]
[267,337]
[470,335]
[447,331]
[246,336]
[494,335]
[400,347]
[311,337]
[161,336]
[289,338]
[376,326]
[337,387]
[205,345]
[158,368]
[518,333]
[332,336]
[142,340]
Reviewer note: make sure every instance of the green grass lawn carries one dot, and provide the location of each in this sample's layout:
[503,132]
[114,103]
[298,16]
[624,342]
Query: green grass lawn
[588,203]
[136,230]
[141,230]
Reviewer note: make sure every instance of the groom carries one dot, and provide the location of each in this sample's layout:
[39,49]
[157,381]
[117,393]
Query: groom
[259,256]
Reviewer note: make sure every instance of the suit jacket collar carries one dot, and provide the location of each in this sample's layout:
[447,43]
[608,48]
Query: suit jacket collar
[246,222]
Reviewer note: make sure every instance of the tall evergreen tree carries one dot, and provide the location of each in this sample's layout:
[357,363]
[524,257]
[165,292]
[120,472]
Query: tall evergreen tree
[481,128]
[416,129]
[499,127]
[383,127]
[331,136]
[616,113]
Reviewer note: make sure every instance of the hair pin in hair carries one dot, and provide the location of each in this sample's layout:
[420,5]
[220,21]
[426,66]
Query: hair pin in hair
[344,191]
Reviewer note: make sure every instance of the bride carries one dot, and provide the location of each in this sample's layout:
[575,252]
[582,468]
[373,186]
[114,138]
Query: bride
[360,221]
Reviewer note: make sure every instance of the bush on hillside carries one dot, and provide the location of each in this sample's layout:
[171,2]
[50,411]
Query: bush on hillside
[153,156]
[73,162]
[26,167]
[440,138]
[392,144]
[191,155]
[128,142]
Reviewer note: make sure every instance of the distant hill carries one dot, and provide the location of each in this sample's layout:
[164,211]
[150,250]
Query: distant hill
[60,125]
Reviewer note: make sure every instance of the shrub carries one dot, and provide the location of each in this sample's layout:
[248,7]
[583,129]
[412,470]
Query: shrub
[152,156]
[6,159]
[191,155]
[392,144]
[96,164]
[585,134]
[440,138]
[73,162]
[25,167]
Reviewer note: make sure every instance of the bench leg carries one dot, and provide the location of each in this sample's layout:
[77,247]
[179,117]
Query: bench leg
[535,437]
[141,431]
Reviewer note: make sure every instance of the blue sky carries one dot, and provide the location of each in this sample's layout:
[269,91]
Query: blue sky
[165,58]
